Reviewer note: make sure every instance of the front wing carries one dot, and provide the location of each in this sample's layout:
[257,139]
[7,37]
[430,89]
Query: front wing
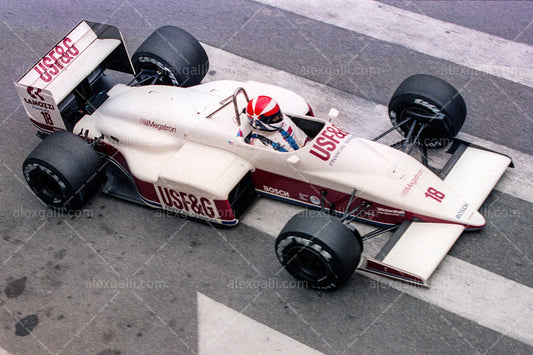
[417,248]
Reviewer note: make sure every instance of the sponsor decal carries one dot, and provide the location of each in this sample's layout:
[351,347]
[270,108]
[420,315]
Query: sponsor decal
[412,183]
[39,104]
[183,201]
[275,191]
[160,127]
[328,141]
[427,105]
[315,200]
[56,60]
[35,93]
[390,212]
[461,211]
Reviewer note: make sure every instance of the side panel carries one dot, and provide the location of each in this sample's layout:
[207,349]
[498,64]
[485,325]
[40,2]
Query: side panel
[310,195]
[179,200]
[192,204]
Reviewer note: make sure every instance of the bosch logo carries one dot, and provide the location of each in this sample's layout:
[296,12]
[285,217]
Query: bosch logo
[461,211]
[276,191]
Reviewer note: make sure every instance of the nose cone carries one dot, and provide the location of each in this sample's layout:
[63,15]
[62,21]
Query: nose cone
[476,221]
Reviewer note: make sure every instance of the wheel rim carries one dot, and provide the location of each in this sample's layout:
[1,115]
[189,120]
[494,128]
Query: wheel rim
[433,129]
[46,187]
[150,71]
[306,263]
[413,112]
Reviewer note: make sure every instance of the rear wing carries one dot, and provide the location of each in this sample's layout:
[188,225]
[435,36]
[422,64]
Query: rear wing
[67,72]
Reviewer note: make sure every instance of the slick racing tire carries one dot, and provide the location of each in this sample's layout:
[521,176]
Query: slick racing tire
[319,250]
[432,101]
[172,53]
[64,171]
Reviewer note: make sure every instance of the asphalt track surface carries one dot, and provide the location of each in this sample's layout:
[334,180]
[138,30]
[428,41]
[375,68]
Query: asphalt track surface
[119,278]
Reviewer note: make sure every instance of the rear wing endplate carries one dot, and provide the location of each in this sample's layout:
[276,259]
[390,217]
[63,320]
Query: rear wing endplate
[88,46]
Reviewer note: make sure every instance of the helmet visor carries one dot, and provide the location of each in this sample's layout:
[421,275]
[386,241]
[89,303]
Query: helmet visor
[275,118]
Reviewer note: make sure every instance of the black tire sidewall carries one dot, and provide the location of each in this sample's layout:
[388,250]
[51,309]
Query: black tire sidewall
[176,52]
[431,95]
[339,248]
[69,201]
[69,160]
[294,241]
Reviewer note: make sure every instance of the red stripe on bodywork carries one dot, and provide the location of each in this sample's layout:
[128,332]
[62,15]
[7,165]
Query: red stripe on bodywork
[387,270]
[44,126]
[310,194]
[300,191]
[225,212]
[418,217]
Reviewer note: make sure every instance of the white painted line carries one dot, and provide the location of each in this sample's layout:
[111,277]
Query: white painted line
[458,44]
[479,295]
[361,117]
[222,330]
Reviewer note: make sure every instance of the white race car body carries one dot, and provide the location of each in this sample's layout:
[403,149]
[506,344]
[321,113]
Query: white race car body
[187,139]
[184,150]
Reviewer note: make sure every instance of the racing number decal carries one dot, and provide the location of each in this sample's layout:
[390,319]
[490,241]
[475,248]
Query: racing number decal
[435,194]
[47,118]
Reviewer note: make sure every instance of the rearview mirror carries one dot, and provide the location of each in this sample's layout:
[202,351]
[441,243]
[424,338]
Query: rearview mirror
[333,114]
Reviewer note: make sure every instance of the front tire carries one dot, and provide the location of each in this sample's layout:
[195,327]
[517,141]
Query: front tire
[64,171]
[431,101]
[319,250]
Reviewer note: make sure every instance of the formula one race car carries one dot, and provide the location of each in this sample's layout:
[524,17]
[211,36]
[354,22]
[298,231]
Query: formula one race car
[167,141]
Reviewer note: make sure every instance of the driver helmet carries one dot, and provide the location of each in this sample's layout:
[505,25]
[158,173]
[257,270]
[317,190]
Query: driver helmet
[264,113]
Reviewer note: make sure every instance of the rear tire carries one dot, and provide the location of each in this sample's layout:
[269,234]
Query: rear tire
[426,95]
[173,53]
[64,171]
[319,250]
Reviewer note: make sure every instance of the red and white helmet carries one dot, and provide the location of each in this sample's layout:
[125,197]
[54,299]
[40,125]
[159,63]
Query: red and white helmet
[264,113]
